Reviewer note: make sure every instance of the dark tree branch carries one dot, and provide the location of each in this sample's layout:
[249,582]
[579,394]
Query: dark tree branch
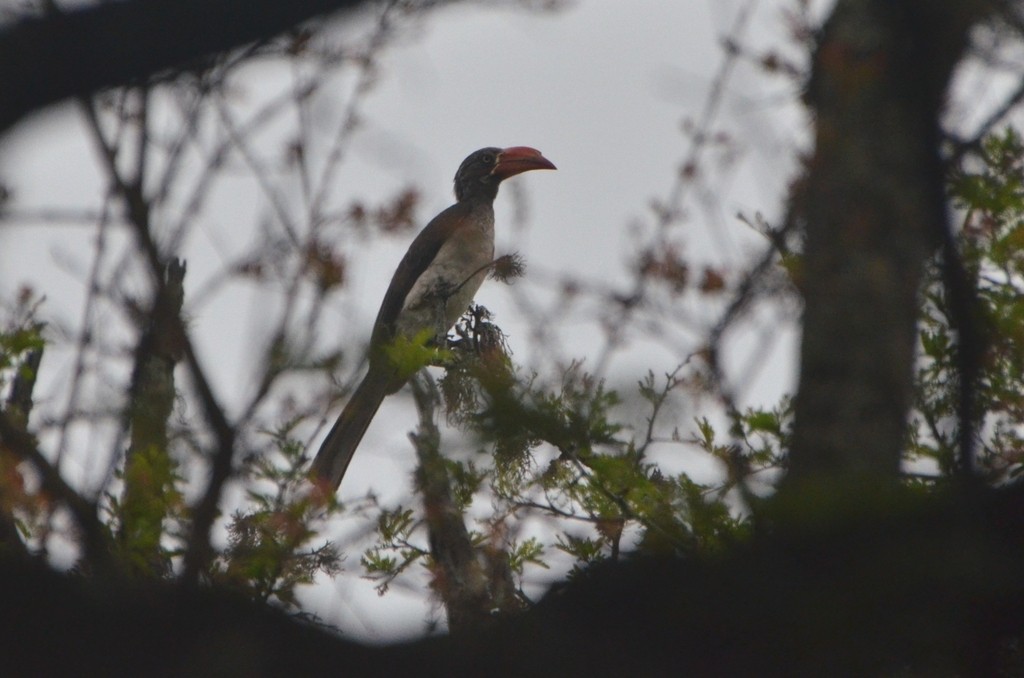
[44,60]
[95,536]
[470,582]
[961,147]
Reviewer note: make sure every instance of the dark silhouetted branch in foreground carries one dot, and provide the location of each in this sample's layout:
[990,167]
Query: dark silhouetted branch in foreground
[899,596]
[44,60]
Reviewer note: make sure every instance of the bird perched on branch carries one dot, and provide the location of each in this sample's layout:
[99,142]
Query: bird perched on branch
[433,285]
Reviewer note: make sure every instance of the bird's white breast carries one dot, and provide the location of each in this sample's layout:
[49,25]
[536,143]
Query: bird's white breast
[456,272]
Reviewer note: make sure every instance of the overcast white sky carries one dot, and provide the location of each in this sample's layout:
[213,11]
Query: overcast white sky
[601,88]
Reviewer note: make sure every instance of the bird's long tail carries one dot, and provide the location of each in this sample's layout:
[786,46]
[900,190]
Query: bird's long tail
[336,452]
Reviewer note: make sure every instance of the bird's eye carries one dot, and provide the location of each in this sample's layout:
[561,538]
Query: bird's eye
[488,158]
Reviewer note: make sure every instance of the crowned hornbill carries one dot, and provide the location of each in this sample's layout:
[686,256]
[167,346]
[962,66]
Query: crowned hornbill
[432,287]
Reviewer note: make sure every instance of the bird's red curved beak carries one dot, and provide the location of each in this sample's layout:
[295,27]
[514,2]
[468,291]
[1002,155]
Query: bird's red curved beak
[517,159]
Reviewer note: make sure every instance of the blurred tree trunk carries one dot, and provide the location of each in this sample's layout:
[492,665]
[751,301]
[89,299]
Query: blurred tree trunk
[873,208]
[149,468]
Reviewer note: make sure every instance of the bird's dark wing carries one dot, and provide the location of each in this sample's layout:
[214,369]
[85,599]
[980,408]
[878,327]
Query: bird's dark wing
[336,451]
[416,260]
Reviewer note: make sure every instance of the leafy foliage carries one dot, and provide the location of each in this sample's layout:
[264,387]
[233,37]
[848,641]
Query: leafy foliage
[988,192]
[560,453]
[394,552]
[23,512]
[270,546]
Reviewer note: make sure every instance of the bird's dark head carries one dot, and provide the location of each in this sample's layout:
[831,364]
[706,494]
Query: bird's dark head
[482,172]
